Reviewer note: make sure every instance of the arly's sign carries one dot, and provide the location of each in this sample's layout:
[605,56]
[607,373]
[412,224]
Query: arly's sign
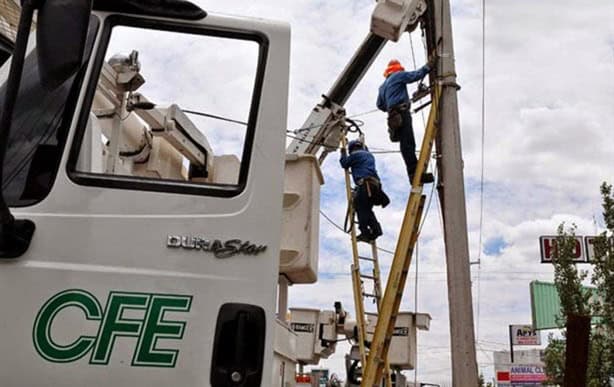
[127,314]
[524,335]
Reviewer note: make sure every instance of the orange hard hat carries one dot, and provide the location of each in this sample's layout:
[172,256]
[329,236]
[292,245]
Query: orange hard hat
[393,66]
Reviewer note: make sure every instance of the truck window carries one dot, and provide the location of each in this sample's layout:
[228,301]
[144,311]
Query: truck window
[173,110]
[38,133]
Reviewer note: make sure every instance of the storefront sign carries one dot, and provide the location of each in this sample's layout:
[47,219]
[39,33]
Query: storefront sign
[524,335]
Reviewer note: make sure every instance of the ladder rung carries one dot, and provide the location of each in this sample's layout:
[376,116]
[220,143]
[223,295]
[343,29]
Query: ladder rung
[366,258]
[372,314]
[369,295]
[367,276]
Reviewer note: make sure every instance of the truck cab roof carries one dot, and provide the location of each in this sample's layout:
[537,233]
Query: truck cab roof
[178,9]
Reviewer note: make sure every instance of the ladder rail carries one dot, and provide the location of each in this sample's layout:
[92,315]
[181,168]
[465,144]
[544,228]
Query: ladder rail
[355,267]
[402,257]
[376,274]
[377,284]
[357,276]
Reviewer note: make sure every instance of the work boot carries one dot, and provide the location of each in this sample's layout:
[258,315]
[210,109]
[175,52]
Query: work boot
[376,231]
[427,178]
[364,238]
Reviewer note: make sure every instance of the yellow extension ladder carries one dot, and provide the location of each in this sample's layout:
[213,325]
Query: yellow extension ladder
[361,292]
[377,358]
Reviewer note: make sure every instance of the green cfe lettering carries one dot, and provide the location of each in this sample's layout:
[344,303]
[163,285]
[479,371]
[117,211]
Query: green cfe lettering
[43,342]
[157,328]
[114,324]
[127,314]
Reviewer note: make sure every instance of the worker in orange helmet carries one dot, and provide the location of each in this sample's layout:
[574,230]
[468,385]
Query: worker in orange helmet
[394,100]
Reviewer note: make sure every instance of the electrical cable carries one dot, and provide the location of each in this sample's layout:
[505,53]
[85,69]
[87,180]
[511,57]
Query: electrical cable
[291,133]
[354,126]
[381,152]
[342,230]
[428,205]
[482,166]
[364,113]
[294,131]
[330,147]
[416,304]
[413,57]
[197,113]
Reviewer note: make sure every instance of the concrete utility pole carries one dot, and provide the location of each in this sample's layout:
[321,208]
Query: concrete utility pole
[452,197]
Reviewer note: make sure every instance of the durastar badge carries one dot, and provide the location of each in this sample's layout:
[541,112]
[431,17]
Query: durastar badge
[219,249]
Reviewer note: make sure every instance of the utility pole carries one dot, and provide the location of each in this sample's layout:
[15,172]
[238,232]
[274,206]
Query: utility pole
[452,196]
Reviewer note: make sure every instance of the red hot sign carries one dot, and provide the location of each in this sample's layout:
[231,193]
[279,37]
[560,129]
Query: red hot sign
[548,248]
[584,251]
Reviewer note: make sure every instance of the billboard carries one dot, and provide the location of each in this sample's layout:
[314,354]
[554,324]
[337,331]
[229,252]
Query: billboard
[547,248]
[524,335]
[522,375]
[527,374]
[546,305]
[584,251]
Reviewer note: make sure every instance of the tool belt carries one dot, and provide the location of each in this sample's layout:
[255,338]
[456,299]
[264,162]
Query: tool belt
[377,196]
[395,121]
[374,191]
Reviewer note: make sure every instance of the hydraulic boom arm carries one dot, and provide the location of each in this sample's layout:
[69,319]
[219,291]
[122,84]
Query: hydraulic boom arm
[322,129]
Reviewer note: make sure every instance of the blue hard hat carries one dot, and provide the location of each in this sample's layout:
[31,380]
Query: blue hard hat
[355,144]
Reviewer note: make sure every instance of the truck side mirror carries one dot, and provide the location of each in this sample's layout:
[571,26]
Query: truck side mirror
[61,33]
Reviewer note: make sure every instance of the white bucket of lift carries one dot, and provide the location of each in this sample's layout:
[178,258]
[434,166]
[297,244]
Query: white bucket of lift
[305,324]
[402,351]
[301,219]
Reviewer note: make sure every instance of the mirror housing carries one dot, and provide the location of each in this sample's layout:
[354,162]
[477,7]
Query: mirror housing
[61,33]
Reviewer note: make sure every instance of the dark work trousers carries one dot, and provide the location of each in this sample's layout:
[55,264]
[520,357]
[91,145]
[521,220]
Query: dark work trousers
[408,143]
[367,223]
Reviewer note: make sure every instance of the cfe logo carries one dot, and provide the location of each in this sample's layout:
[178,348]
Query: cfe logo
[135,315]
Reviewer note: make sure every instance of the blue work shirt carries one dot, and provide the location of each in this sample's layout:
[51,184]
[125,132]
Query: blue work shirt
[394,90]
[362,163]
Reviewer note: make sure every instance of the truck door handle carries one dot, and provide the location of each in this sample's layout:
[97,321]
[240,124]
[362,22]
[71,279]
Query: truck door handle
[238,348]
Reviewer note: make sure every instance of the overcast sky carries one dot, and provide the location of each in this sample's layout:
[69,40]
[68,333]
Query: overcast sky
[549,135]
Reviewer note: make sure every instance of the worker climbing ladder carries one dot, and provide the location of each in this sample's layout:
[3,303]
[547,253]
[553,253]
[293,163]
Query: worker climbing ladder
[377,358]
[359,278]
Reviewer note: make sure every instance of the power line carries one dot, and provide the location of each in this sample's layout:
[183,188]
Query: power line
[197,113]
[482,163]
[413,58]
[291,133]
[342,230]
[364,113]
[313,142]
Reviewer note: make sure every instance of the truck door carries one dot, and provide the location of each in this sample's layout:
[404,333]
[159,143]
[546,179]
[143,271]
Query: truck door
[154,178]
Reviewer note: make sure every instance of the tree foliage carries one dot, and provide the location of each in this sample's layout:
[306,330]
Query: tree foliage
[567,278]
[554,359]
[602,343]
[482,382]
[574,300]
[599,366]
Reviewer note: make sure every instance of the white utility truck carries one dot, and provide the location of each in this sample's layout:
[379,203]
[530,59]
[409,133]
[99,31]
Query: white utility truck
[146,244]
